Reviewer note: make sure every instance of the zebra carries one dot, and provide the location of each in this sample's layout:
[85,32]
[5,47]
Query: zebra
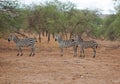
[86,44]
[66,44]
[26,42]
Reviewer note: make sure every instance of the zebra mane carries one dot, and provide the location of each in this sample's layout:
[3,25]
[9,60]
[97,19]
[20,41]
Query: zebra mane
[77,37]
[15,37]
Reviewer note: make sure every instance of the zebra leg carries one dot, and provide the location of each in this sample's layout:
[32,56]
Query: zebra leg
[94,50]
[83,53]
[61,51]
[21,51]
[33,50]
[75,51]
[18,51]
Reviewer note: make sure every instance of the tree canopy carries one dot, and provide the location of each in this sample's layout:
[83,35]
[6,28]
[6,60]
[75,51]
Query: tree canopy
[56,16]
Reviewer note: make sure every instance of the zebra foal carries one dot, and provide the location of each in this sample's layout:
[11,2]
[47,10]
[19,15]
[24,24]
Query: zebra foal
[26,42]
[66,44]
[86,44]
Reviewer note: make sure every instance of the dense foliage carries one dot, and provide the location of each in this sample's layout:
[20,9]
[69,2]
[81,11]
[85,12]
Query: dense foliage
[54,17]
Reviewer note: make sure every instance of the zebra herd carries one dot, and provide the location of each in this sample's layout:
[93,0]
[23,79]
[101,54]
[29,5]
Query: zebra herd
[75,42]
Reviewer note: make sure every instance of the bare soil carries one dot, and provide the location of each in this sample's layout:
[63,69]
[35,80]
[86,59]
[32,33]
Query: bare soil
[48,67]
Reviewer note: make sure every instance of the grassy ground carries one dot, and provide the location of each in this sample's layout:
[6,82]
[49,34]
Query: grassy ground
[48,67]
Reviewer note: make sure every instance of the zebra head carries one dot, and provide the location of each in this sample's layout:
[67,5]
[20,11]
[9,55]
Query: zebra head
[11,36]
[73,37]
[57,37]
[77,38]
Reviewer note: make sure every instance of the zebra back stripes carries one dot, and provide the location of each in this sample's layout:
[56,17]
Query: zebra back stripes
[66,44]
[86,44]
[26,42]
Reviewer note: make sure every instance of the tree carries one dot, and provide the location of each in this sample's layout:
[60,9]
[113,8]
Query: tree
[111,24]
[9,15]
[8,7]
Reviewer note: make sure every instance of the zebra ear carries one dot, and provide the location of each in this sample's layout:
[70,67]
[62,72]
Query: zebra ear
[56,34]
[12,33]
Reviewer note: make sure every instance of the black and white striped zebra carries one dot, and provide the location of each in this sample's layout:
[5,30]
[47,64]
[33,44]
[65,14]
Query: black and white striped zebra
[86,44]
[26,42]
[66,44]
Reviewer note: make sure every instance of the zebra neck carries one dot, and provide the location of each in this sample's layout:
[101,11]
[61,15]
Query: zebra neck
[16,39]
[81,41]
[60,40]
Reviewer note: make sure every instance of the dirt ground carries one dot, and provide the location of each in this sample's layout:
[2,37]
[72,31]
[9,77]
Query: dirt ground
[48,67]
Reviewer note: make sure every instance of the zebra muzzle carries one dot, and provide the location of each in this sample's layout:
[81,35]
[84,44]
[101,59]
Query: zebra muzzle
[72,40]
[55,39]
[8,40]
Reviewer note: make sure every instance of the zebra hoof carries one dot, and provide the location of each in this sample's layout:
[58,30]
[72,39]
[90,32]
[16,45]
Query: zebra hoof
[61,55]
[21,55]
[18,54]
[29,54]
[33,54]
[75,56]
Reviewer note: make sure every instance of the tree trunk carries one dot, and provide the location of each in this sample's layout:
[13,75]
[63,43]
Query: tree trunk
[53,34]
[39,38]
[46,33]
[43,32]
[48,37]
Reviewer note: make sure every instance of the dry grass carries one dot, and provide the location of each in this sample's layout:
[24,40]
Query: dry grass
[48,67]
